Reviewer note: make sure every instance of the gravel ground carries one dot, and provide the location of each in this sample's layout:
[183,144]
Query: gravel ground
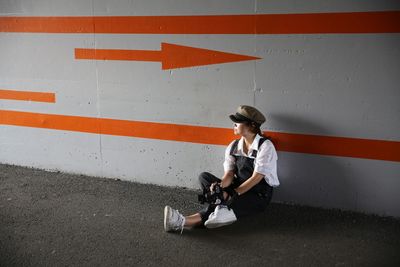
[58,219]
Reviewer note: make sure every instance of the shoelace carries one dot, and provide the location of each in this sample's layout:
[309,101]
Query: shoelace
[181,221]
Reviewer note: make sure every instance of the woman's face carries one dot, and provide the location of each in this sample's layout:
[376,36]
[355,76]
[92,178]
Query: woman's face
[241,129]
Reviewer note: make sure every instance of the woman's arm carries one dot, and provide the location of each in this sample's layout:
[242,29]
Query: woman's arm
[227,179]
[265,163]
[252,181]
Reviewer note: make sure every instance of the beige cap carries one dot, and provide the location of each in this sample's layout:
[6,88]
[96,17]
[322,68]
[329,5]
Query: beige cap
[249,114]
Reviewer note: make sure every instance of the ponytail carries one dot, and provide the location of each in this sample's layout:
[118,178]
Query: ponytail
[255,128]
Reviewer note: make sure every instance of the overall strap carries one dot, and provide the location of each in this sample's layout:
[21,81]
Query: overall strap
[234,146]
[260,142]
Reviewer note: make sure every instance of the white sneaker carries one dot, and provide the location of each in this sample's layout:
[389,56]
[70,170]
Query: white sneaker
[220,217]
[173,220]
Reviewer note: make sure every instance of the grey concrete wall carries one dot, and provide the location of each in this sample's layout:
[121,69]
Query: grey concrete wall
[344,85]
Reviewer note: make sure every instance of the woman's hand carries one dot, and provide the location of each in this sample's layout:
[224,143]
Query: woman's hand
[227,179]
[225,194]
[212,186]
[249,183]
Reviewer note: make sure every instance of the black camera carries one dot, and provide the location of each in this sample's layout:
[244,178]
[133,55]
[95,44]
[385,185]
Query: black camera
[213,197]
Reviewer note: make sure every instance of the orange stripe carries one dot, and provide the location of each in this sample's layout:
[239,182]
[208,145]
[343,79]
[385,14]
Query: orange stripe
[28,96]
[163,131]
[337,146]
[313,144]
[312,23]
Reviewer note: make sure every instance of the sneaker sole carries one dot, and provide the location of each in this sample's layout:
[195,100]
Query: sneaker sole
[167,211]
[216,225]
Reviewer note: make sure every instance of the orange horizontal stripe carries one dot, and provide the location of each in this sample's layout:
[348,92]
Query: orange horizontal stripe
[313,144]
[163,131]
[28,96]
[311,23]
[117,54]
[337,146]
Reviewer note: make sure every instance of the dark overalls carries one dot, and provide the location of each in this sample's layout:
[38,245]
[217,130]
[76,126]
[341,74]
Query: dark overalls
[253,201]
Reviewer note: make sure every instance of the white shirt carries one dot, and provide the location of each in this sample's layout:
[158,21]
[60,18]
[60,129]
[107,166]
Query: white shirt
[264,163]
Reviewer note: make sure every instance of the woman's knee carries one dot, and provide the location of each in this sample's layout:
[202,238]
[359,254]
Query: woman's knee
[206,179]
[203,176]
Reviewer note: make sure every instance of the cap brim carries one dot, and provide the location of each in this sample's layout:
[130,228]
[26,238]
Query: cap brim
[236,119]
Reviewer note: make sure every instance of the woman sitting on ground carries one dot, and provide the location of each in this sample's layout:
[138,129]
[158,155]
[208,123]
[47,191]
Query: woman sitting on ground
[250,173]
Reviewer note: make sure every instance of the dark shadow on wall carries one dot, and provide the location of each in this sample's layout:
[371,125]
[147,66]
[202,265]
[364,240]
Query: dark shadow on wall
[310,179]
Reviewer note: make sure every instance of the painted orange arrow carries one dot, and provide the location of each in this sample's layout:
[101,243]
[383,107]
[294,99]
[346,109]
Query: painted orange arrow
[171,56]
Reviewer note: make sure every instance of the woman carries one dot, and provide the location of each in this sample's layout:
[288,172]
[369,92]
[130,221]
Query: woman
[250,173]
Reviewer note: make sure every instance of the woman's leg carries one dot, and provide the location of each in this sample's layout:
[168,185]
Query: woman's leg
[205,179]
[174,221]
[193,220]
[251,203]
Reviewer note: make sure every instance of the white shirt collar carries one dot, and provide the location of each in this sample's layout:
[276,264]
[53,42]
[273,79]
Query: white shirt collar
[254,145]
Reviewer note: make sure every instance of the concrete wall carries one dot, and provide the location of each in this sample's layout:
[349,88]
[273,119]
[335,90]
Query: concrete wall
[316,84]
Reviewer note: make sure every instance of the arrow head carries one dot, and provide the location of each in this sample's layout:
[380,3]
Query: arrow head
[178,56]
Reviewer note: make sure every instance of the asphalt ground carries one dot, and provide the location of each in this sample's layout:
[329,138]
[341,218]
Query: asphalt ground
[58,219]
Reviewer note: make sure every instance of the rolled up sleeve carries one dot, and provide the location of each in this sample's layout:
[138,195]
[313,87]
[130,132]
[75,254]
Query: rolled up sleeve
[229,162]
[266,163]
